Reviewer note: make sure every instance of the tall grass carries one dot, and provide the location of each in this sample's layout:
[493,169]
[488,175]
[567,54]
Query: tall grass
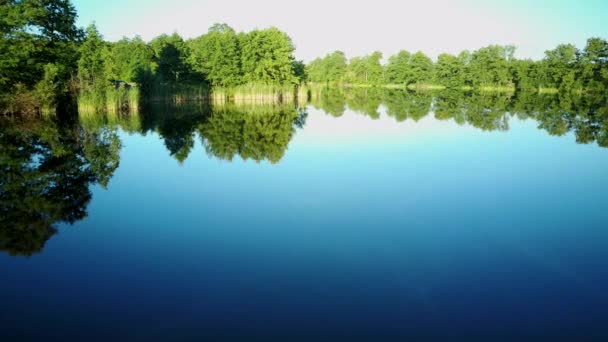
[254,93]
[542,90]
[109,100]
[497,89]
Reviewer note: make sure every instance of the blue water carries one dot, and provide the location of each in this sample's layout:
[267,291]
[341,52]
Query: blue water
[364,230]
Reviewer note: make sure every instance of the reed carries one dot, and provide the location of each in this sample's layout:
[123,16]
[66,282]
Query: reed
[254,93]
[425,86]
[109,100]
[542,90]
[496,89]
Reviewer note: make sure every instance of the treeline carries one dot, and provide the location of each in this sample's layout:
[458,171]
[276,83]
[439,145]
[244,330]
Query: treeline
[494,67]
[46,58]
[220,58]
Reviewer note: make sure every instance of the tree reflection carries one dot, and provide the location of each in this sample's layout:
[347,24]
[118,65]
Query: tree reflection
[583,114]
[47,168]
[330,100]
[258,132]
[251,131]
[403,105]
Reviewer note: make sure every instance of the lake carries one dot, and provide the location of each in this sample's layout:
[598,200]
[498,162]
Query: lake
[362,215]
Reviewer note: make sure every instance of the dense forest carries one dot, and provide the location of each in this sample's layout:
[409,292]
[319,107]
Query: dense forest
[47,61]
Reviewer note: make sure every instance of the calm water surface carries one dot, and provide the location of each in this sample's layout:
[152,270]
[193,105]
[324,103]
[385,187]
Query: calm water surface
[343,220]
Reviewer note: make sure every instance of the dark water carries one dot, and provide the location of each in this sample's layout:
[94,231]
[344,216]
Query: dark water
[365,215]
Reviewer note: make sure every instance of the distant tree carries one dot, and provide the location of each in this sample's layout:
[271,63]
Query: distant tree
[561,64]
[421,67]
[464,59]
[366,70]
[490,65]
[449,71]
[594,64]
[398,69]
[523,72]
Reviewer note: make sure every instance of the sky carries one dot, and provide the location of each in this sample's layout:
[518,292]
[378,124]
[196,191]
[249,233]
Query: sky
[318,27]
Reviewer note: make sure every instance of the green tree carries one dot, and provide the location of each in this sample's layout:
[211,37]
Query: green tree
[490,65]
[91,64]
[171,55]
[329,69]
[217,55]
[594,64]
[398,69]
[421,68]
[366,70]
[523,72]
[449,71]
[561,64]
[33,35]
[129,60]
[267,57]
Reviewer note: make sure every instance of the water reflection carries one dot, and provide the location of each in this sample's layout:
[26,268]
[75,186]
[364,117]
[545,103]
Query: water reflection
[586,116]
[48,165]
[47,168]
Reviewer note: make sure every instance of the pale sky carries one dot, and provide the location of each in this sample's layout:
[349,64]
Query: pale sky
[361,27]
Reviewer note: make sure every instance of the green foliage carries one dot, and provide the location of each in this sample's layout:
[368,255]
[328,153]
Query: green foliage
[267,57]
[365,70]
[329,69]
[594,64]
[524,75]
[405,68]
[47,89]
[91,64]
[398,68]
[171,54]
[449,71]
[489,66]
[41,52]
[561,66]
[129,60]
[217,55]
[33,35]
[421,68]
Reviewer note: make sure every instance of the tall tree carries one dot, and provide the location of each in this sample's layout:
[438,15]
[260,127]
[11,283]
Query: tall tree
[398,68]
[217,55]
[171,55]
[91,64]
[37,43]
[267,57]
[449,71]
[561,65]
[421,67]
[490,65]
